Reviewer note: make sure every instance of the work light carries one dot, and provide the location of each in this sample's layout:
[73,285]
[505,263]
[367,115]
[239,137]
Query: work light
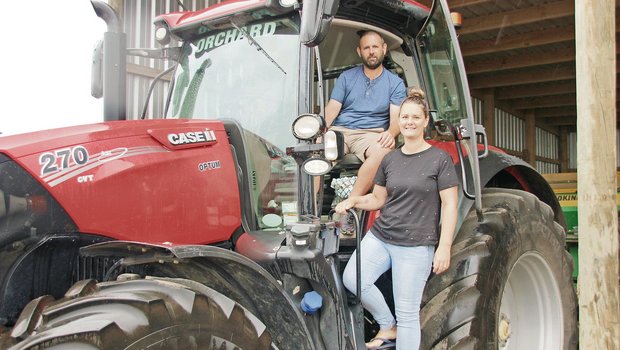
[308,126]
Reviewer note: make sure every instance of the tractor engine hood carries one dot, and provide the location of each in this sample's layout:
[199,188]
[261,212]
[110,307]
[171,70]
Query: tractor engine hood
[156,181]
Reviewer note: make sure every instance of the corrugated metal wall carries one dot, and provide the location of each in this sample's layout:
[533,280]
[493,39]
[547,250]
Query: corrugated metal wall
[510,136]
[478,106]
[138,22]
[509,132]
[547,146]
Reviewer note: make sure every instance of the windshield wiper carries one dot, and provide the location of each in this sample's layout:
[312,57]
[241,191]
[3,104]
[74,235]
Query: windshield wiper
[255,43]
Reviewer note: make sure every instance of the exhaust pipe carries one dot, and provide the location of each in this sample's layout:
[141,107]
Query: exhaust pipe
[114,63]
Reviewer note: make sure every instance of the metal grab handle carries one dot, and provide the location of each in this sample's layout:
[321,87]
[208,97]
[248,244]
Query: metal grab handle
[463,174]
[358,249]
[358,258]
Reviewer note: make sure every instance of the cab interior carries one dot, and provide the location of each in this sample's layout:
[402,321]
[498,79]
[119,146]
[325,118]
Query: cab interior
[338,53]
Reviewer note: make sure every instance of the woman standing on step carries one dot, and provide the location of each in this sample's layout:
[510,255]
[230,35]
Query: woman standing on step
[414,185]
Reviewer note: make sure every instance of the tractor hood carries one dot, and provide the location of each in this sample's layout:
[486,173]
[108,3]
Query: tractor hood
[122,179]
[34,142]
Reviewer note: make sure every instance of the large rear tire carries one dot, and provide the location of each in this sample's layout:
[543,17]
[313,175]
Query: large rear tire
[510,282]
[153,313]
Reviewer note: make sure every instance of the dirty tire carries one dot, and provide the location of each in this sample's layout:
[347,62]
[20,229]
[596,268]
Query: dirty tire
[509,285]
[153,313]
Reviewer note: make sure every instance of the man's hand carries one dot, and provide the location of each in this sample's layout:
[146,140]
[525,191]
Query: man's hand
[386,140]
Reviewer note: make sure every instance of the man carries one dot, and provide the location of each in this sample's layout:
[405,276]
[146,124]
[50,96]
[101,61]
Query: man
[364,106]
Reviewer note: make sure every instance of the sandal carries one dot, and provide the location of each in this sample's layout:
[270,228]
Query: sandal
[385,344]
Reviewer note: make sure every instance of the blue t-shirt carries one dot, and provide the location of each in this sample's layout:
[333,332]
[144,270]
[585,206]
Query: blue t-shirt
[365,102]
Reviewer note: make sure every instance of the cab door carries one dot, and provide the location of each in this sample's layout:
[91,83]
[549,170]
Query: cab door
[448,90]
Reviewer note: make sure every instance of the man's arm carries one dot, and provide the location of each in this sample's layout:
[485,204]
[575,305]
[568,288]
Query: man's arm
[387,138]
[331,111]
[394,129]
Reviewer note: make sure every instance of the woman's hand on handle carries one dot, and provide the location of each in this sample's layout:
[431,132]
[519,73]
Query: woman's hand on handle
[342,207]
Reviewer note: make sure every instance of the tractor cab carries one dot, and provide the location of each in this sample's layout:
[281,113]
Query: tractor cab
[250,68]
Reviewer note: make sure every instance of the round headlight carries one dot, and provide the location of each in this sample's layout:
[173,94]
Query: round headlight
[162,35]
[316,166]
[308,126]
[287,3]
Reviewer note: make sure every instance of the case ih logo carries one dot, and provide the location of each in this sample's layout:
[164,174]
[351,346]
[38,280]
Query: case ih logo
[185,138]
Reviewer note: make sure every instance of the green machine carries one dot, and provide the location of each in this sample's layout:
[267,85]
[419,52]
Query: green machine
[565,187]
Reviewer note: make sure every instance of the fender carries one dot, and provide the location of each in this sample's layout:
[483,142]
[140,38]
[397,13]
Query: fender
[501,170]
[227,272]
[48,266]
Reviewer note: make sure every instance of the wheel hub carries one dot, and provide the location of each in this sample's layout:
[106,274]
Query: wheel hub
[530,315]
[503,332]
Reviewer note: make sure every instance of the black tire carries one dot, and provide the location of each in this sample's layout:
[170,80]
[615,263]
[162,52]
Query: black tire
[509,285]
[153,313]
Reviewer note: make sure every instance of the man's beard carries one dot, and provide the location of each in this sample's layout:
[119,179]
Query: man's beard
[374,65]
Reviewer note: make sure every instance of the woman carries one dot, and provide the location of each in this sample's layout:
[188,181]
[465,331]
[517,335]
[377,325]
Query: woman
[414,185]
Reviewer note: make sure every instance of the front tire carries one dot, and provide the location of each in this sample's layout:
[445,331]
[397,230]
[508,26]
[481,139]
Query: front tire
[153,313]
[510,281]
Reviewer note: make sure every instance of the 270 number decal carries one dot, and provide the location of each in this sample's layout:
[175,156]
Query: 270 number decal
[52,162]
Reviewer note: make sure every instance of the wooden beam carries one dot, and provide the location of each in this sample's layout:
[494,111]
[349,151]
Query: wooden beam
[561,121]
[548,160]
[520,77]
[599,272]
[567,111]
[535,38]
[520,41]
[532,90]
[519,61]
[545,101]
[530,137]
[488,115]
[459,4]
[520,16]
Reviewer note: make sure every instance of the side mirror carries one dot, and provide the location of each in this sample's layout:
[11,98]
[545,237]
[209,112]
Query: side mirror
[316,17]
[96,71]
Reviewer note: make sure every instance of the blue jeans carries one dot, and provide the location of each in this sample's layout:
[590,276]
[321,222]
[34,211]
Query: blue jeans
[411,267]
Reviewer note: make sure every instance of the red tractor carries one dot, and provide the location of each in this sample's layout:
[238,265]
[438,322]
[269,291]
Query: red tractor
[204,229]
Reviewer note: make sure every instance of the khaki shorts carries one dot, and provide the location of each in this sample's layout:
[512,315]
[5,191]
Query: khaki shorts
[357,141]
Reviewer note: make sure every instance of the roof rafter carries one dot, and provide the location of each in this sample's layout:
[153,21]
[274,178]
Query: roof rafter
[520,41]
[565,111]
[545,101]
[556,88]
[519,61]
[458,4]
[537,38]
[527,15]
[519,77]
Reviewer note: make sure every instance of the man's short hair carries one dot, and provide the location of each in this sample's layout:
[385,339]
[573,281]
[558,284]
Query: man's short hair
[363,32]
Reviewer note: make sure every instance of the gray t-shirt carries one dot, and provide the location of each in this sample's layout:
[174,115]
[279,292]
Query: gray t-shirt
[410,216]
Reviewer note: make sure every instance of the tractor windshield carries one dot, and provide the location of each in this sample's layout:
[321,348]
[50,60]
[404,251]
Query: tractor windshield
[249,73]
[223,74]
